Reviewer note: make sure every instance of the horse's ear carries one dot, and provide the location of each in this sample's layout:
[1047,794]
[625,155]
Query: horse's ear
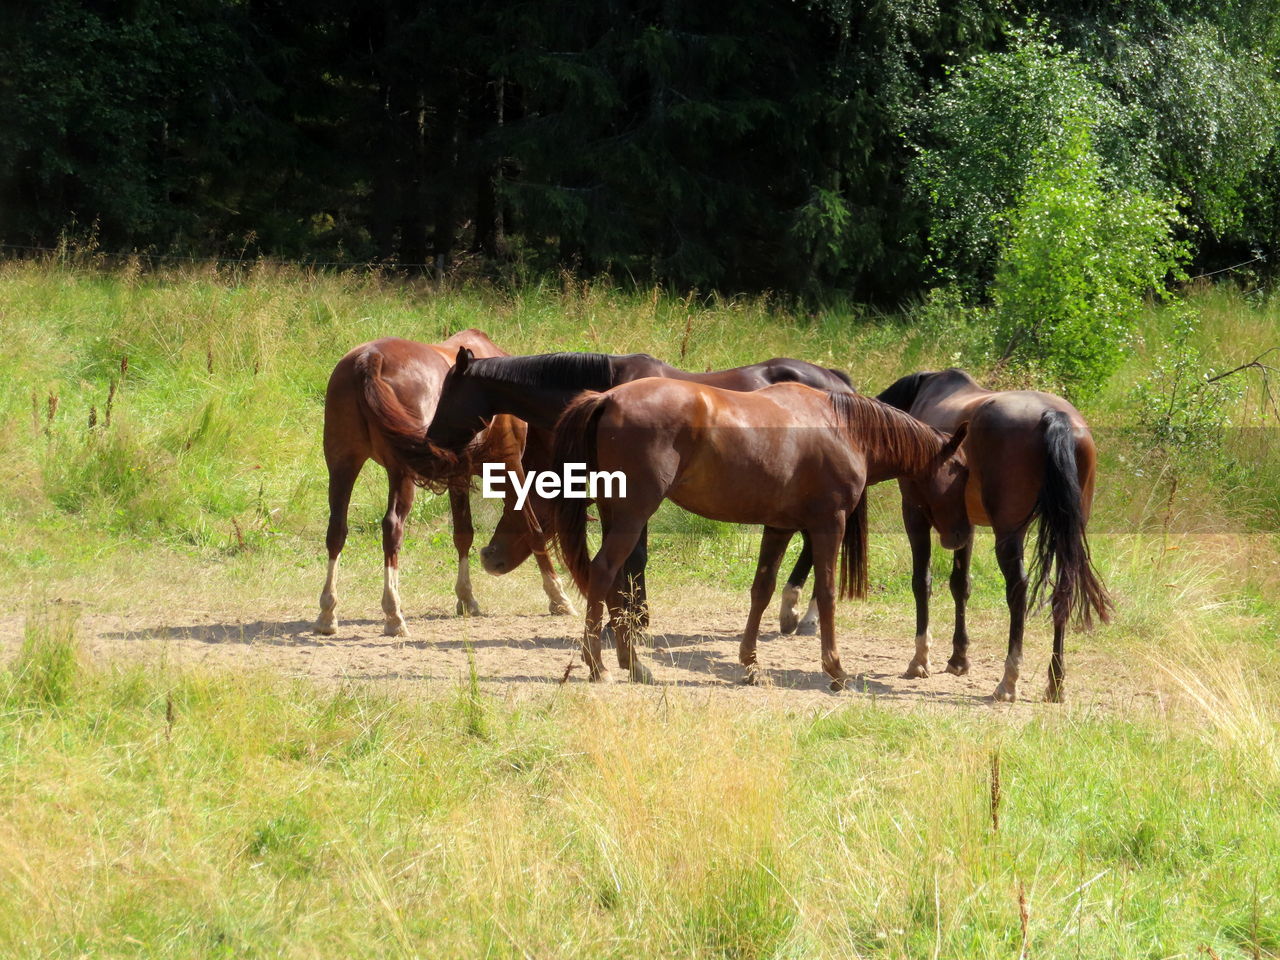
[465,356]
[957,438]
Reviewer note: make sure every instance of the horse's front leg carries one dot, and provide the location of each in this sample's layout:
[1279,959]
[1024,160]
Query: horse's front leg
[400,493]
[960,585]
[826,548]
[920,537]
[1009,556]
[551,583]
[789,610]
[773,544]
[463,535]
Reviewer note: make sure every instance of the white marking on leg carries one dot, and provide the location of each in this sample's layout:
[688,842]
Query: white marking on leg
[395,626]
[1007,691]
[466,606]
[809,622]
[327,623]
[560,603]
[788,616]
[919,666]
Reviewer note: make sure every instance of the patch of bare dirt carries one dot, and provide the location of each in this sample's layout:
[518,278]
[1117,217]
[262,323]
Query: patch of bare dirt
[694,649]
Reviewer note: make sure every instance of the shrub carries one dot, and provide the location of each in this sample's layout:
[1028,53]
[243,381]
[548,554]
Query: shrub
[1079,258]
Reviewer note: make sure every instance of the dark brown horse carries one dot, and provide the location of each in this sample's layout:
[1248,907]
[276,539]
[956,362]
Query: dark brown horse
[380,398]
[1030,457]
[787,456]
[539,388]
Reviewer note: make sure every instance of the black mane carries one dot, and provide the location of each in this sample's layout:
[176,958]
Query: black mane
[902,392]
[573,371]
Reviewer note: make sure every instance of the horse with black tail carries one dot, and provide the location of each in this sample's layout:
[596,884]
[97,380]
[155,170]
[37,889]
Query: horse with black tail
[786,456]
[1031,459]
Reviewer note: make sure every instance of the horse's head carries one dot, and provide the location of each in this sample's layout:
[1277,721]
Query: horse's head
[511,543]
[941,491]
[464,408]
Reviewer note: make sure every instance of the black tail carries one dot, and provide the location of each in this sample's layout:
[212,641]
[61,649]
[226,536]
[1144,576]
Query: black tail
[1062,549]
[575,442]
[853,552]
[404,430]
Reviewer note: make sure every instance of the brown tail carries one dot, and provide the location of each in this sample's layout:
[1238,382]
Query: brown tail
[575,442]
[403,429]
[853,552]
[1062,549]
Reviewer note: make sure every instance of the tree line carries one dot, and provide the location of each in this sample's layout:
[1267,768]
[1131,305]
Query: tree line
[868,147]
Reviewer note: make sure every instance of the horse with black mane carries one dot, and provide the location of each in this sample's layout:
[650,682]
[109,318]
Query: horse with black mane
[1031,457]
[786,456]
[539,388]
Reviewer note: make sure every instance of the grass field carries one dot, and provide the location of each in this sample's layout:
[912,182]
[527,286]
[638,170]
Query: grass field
[150,807]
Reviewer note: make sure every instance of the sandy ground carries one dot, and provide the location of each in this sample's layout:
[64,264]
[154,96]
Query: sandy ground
[694,646]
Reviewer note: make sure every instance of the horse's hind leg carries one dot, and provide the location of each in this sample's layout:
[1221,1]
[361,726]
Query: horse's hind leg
[463,535]
[773,544]
[1009,556]
[604,585]
[1053,693]
[342,478]
[400,493]
[959,662]
[919,536]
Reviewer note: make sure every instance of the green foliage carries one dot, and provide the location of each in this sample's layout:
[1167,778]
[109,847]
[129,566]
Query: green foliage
[989,128]
[1182,413]
[1080,257]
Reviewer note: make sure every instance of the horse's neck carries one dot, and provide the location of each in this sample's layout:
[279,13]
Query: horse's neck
[897,461]
[539,406]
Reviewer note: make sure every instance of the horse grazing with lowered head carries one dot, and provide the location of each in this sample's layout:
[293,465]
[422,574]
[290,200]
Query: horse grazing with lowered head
[539,388]
[380,398]
[786,456]
[1031,457]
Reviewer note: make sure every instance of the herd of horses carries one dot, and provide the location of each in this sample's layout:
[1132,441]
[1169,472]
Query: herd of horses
[783,444]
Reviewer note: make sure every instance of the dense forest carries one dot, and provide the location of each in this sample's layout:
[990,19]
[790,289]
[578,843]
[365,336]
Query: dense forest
[866,147]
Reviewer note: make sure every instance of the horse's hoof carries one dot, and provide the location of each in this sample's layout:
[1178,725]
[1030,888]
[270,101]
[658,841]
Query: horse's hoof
[1053,693]
[916,670]
[464,609]
[839,683]
[641,674]
[807,628]
[604,676]
[395,628]
[1004,693]
[326,629]
[562,608]
[787,623]
[957,669]
[751,678]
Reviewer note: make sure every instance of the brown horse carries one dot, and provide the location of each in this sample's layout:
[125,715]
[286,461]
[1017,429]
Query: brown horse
[1030,457]
[787,456]
[539,388]
[380,398]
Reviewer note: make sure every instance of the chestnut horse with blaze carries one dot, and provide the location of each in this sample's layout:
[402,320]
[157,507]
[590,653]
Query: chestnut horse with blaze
[1031,458]
[786,456]
[380,398]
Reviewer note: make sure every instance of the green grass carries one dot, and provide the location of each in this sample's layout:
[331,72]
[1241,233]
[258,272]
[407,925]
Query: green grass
[154,813]
[146,811]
